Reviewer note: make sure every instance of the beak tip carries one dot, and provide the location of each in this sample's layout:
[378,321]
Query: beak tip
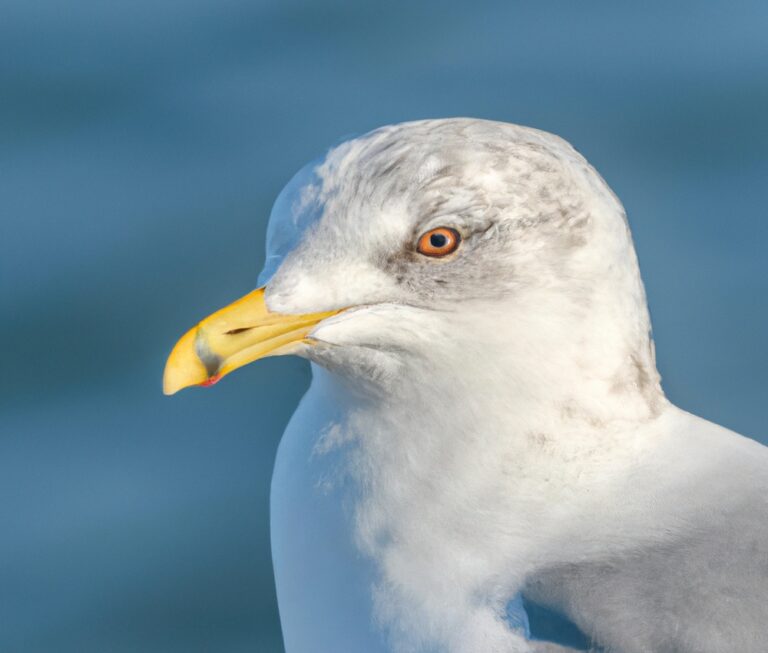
[172,383]
[169,390]
[183,367]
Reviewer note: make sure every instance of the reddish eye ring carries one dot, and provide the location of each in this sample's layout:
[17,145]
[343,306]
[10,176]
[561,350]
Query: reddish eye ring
[438,242]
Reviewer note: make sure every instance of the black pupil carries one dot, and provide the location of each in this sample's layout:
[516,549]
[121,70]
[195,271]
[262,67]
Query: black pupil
[438,240]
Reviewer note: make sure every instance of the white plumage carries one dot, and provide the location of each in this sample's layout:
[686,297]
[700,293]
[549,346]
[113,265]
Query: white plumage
[491,424]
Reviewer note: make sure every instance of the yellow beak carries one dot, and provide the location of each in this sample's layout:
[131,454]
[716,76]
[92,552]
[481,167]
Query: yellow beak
[236,335]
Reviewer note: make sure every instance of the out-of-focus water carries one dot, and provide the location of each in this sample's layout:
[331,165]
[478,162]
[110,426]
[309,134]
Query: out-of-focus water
[141,146]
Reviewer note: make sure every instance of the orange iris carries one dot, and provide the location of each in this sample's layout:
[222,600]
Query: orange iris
[439,242]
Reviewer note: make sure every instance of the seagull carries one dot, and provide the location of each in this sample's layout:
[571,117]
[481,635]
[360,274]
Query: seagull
[485,439]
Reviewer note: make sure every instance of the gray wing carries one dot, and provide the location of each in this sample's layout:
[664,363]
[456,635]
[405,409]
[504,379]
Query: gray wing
[705,590]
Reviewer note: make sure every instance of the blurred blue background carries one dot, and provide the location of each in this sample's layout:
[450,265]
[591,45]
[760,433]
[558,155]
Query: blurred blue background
[141,146]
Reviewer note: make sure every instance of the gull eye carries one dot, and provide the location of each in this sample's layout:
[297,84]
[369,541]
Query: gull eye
[439,242]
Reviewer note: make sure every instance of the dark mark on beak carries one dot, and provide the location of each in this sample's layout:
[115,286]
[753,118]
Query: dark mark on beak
[211,360]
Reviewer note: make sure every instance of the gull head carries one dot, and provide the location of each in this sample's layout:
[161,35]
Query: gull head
[426,249]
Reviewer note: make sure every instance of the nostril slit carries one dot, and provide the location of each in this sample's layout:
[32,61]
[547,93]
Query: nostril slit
[234,332]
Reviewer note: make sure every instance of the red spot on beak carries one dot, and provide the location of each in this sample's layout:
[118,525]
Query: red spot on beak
[211,381]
